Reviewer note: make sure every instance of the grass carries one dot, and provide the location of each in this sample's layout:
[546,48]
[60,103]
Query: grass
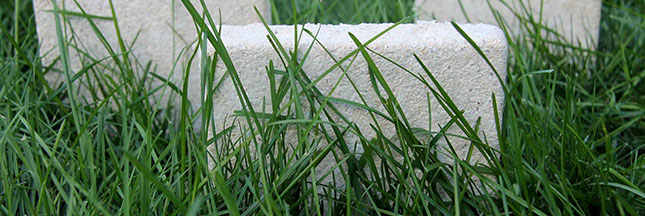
[572,133]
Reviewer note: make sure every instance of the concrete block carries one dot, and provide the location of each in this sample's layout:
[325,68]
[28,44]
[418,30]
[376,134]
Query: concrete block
[457,66]
[160,27]
[576,20]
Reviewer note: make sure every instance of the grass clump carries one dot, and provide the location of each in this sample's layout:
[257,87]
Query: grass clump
[572,132]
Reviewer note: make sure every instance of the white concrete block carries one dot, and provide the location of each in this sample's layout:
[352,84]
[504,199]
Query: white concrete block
[163,29]
[457,66]
[573,19]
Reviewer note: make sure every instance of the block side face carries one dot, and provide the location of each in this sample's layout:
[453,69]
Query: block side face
[45,28]
[574,19]
[457,66]
[239,12]
[154,30]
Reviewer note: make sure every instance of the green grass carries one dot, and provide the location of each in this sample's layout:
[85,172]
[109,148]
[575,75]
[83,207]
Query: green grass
[572,132]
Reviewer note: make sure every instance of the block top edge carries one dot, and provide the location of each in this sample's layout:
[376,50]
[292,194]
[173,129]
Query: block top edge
[428,32]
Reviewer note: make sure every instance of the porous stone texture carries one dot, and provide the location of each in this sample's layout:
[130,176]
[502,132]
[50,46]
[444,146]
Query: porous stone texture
[456,64]
[576,20]
[162,28]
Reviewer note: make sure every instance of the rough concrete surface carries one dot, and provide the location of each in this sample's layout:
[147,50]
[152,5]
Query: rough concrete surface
[457,66]
[159,37]
[576,20]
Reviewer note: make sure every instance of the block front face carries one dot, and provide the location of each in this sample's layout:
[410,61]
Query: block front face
[574,19]
[457,66]
[160,28]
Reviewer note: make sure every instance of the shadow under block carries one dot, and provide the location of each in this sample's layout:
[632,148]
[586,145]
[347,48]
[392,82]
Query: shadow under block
[161,29]
[575,20]
[450,58]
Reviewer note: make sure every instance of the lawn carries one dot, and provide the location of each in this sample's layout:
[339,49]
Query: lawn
[571,134]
